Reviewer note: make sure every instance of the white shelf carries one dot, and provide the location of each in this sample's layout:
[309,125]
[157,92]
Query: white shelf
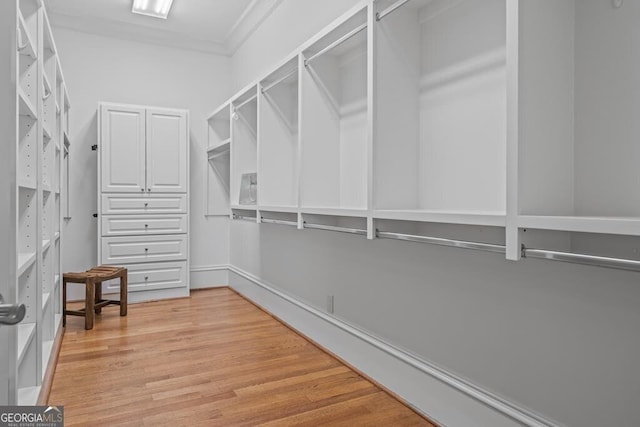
[46,297]
[26,106]
[244,207]
[27,184]
[46,244]
[29,48]
[358,213]
[584,224]
[28,396]
[282,209]
[46,188]
[219,149]
[56,280]
[56,236]
[26,332]
[25,260]
[495,219]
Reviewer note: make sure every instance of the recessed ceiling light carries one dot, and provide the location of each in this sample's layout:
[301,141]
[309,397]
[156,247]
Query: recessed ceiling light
[155,8]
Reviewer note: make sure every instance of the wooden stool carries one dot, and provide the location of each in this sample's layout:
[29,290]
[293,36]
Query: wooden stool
[93,279]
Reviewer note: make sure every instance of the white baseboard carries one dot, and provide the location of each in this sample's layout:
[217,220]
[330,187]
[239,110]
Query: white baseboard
[209,276]
[440,395]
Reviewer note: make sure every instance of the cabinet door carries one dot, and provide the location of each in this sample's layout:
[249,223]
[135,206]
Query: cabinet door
[167,151]
[122,149]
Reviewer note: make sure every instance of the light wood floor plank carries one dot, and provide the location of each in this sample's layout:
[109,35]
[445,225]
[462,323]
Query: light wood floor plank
[213,360]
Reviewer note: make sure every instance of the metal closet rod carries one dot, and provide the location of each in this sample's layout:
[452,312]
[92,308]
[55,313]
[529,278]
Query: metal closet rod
[489,247]
[599,261]
[336,43]
[245,102]
[280,80]
[244,218]
[396,5]
[334,228]
[279,222]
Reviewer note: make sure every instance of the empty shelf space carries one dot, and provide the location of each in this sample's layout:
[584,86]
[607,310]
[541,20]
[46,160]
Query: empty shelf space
[586,224]
[26,331]
[26,106]
[46,297]
[25,260]
[497,219]
[27,184]
[25,42]
[223,148]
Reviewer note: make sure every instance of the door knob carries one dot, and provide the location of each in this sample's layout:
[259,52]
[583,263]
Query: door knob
[10,314]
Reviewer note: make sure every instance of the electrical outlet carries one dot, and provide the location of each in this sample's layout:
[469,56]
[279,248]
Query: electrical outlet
[330,304]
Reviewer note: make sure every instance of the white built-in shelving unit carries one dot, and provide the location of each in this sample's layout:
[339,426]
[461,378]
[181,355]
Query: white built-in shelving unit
[453,122]
[33,124]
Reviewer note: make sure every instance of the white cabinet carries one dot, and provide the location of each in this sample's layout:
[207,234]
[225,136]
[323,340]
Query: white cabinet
[143,149]
[34,108]
[144,198]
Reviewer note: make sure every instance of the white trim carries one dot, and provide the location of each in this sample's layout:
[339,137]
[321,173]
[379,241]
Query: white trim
[515,413]
[204,268]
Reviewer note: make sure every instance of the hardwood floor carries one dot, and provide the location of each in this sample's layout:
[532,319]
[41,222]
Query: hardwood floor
[213,360]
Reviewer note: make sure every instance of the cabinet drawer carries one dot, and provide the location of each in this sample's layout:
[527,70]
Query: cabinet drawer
[132,249]
[113,204]
[145,277]
[120,225]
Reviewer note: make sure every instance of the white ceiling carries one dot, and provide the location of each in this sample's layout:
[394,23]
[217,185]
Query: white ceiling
[217,26]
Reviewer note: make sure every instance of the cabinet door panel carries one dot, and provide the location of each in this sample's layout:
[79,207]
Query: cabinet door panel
[166,151]
[122,150]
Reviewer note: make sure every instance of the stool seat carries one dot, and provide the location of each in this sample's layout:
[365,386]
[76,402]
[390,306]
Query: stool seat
[92,279]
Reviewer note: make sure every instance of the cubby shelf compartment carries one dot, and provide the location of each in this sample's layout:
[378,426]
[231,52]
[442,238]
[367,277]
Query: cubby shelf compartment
[278,136]
[25,260]
[26,47]
[440,129]
[472,218]
[26,107]
[46,297]
[244,148]
[219,160]
[578,153]
[26,332]
[335,126]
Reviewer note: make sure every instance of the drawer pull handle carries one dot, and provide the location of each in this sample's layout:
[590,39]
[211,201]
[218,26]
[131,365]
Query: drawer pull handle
[146,249]
[149,190]
[146,277]
[146,226]
[146,204]
[142,189]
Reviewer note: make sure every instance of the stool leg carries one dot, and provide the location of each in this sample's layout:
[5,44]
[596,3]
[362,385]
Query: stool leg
[123,294]
[98,298]
[64,302]
[89,304]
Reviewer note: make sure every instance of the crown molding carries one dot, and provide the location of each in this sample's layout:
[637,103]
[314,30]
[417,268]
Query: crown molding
[252,17]
[126,31]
